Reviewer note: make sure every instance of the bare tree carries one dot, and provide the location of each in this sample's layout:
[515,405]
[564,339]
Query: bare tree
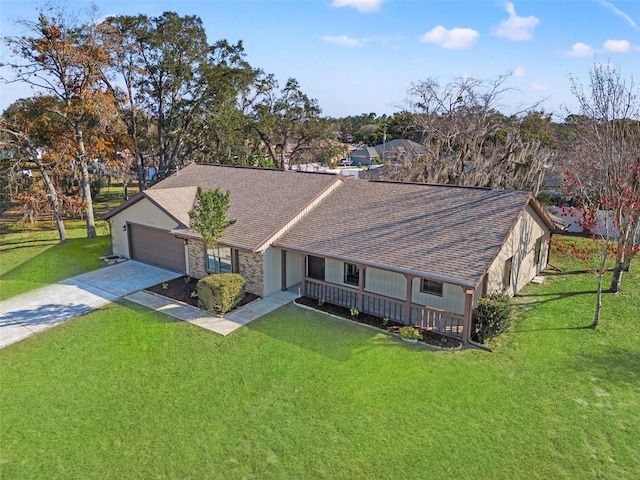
[468,140]
[605,161]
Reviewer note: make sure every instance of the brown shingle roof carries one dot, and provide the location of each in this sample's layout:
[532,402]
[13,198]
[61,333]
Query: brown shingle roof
[175,201]
[262,201]
[443,232]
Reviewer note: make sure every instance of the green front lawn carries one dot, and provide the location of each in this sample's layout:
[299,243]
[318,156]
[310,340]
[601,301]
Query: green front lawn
[124,392]
[31,257]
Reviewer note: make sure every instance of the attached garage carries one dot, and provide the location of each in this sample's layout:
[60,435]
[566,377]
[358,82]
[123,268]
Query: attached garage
[156,246]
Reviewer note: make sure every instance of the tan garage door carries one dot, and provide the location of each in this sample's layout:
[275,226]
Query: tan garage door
[157,247]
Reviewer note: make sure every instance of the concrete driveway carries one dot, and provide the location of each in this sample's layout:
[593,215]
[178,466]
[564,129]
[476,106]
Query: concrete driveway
[23,315]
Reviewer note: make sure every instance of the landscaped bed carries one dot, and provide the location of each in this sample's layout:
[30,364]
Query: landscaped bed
[182,288]
[428,337]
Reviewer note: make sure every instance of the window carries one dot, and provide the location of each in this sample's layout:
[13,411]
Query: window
[219,259]
[315,267]
[506,275]
[351,274]
[536,255]
[431,287]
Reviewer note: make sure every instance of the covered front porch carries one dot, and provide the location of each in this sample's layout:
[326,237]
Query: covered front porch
[401,297]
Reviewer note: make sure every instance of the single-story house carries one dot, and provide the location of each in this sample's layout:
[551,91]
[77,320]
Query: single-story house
[416,253]
[400,150]
[364,156]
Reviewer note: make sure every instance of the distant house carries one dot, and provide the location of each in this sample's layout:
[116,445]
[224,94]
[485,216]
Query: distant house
[400,150]
[365,156]
[416,253]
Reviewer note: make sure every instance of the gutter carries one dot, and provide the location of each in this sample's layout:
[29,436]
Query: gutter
[403,271]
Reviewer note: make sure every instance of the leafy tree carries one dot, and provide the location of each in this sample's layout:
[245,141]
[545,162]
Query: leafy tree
[209,214]
[286,120]
[603,167]
[63,58]
[176,86]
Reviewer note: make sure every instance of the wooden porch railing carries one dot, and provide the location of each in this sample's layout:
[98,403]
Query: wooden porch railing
[440,321]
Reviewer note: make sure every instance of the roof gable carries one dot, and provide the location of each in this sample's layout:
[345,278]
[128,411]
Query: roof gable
[263,202]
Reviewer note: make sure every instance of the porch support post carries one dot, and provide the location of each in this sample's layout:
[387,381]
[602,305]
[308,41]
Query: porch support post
[407,308]
[304,274]
[361,287]
[468,309]
[283,267]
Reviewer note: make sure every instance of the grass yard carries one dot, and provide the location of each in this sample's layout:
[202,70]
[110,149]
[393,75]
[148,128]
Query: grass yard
[124,392]
[31,255]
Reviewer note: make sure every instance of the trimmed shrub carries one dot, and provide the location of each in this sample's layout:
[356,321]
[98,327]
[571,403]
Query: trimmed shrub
[220,292]
[493,316]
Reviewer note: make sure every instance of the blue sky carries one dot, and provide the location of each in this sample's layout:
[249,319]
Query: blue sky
[361,56]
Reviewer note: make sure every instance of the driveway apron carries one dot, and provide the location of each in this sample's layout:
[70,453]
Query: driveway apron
[31,312]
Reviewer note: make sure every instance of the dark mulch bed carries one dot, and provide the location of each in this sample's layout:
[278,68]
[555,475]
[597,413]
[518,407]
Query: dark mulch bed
[181,288]
[427,336]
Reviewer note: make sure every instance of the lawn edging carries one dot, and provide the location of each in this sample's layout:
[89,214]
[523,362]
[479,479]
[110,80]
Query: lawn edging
[371,327]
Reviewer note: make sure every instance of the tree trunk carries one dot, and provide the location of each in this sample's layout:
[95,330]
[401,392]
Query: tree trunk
[601,270]
[85,184]
[53,199]
[617,277]
[596,317]
[621,266]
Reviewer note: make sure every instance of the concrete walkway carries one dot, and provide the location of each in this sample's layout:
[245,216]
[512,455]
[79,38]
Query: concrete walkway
[24,315]
[220,325]
[31,312]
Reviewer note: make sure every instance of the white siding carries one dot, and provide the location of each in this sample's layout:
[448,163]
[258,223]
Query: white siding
[383,282]
[334,272]
[452,299]
[272,270]
[294,269]
[521,246]
[143,213]
[394,285]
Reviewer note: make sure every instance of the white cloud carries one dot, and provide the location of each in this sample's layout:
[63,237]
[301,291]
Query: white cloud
[455,38]
[360,5]
[618,46]
[621,14]
[518,71]
[515,27]
[580,50]
[343,40]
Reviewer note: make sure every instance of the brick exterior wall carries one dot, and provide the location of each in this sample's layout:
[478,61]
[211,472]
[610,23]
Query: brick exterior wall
[250,266]
[197,256]
[251,269]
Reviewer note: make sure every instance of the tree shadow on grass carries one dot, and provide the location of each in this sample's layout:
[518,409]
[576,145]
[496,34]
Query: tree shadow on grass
[550,329]
[570,272]
[529,300]
[28,244]
[614,365]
